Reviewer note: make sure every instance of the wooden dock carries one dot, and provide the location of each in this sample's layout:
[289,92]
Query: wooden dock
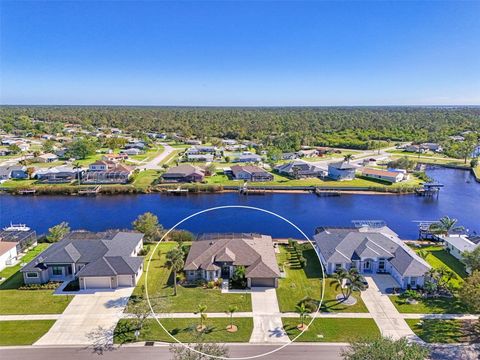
[244,190]
[429,189]
[89,191]
[326,193]
[27,191]
[177,191]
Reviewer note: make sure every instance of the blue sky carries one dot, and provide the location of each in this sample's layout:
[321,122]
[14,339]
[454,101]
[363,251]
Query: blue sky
[240,53]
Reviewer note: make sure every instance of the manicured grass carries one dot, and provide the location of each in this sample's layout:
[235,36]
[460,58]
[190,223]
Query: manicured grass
[14,301]
[160,289]
[445,331]
[332,330]
[11,270]
[438,257]
[439,305]
[278,180]
[184,330]
[148,155]
[301,283]
[145,178]
[434,160]
[16,183]
[23,332]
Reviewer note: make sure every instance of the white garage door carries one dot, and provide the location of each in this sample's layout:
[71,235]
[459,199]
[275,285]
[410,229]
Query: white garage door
[97,283]
[259,282]
[124,280]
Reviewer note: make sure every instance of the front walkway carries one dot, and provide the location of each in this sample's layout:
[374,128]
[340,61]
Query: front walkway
[267,319]
[386,316]
[89,319]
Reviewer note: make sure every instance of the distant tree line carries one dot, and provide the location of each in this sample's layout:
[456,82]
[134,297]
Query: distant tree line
[285,129]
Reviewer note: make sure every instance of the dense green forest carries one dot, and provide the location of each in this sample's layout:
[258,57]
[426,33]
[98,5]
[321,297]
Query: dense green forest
[283,128]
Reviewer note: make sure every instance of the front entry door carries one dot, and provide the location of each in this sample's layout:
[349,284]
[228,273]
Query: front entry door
[367,266]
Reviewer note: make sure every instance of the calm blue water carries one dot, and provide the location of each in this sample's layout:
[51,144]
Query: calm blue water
[460,199]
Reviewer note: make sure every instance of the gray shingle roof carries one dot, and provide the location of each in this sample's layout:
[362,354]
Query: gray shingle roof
[340,245]
[254,251]
[104,253]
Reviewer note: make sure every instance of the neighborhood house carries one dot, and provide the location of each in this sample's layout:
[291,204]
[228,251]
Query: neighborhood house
[390,176]
[250,173]
[184,173]
[341,171]
[370,250]
[300,169]
[215,256]
[456,245]
[98,260]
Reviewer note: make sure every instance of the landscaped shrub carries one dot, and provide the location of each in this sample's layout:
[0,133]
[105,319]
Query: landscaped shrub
[52,285]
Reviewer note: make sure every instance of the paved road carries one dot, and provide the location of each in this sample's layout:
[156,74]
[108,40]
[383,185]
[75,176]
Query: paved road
[300,352]
[154,163]
[90,318]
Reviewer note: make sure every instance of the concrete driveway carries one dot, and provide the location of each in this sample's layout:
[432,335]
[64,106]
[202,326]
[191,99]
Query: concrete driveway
[386,316]
[267,320]
[89,319]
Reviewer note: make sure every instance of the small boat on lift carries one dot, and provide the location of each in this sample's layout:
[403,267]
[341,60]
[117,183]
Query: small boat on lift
[16,227]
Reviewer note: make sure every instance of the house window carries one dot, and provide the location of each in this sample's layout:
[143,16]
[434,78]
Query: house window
[338,267]
[32,275]
[413,281]
[57,271]
[381,265]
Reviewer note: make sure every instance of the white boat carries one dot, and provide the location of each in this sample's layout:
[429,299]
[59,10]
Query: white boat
[17,227]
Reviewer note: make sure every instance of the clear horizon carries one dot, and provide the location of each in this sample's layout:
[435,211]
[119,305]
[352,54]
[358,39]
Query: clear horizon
[235,54]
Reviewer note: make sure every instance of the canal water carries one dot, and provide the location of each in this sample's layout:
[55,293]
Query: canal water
[460,198]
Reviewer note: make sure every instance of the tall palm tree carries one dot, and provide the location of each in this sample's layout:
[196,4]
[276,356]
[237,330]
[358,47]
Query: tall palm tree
[444,226]
[77,167]
[201,309]
[348,157]
[175,263]
[340,276]
[231,310]
[303,313]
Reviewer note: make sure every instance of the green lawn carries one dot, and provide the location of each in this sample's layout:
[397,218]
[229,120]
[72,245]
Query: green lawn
[435,160]
[438,257]
[220,179]
[430,306]
[14,301]
[300,283]
[160,289]
[184,330]
[23,332]
[148,155]
[145,178]
[445,331]
[332,330]
[11,270]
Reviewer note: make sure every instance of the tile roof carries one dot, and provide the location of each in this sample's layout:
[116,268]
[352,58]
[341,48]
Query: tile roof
[254,251]
[340,245]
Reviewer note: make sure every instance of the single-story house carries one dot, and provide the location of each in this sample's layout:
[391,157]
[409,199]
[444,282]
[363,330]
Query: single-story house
[390,176]
[341,171]
[370,250]
[22,239]
[8,254]
[457,244]
[229,141]
[300,169]
[247,156]
[289,156]
[5,152]
[433,147]
[307,153]
[46,158]
[58,174]
[116,157]
[250,173]
[456,138]
[193,142]
[184,173]
[136,145]
[132,151]
[215,256]
[13,172]
[98,260]
[200,157]
[416,148]
[197,149]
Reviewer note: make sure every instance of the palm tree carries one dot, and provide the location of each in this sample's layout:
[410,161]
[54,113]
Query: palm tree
[423,254]
[353,282]
[77,166]
[231,310]
[175,263]
[348,157]
[340,276]
[444,226]
[201,311]
[302,310]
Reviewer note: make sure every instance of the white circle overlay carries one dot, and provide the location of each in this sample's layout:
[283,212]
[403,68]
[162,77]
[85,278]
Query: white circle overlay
[313,317]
